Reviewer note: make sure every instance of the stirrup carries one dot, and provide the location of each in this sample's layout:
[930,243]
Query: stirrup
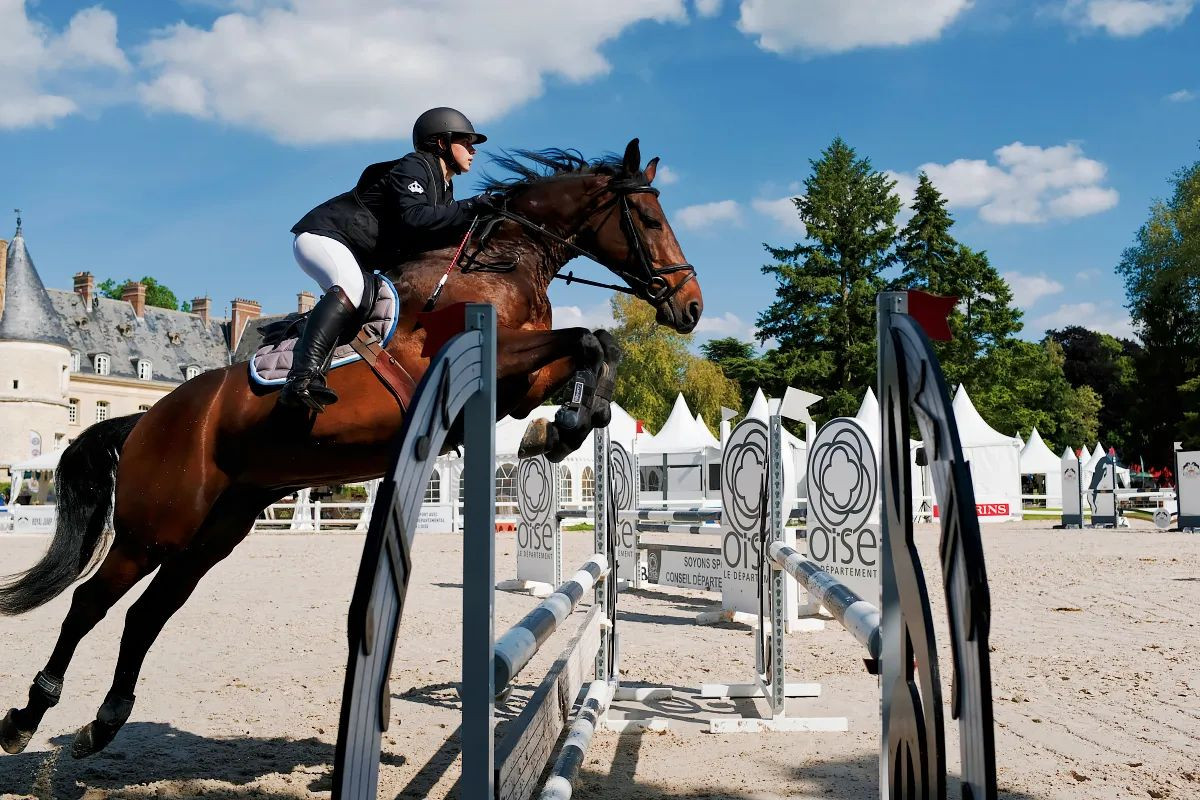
[307,391]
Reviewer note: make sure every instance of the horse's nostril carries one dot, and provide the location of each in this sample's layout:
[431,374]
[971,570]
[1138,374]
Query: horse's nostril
[694,310]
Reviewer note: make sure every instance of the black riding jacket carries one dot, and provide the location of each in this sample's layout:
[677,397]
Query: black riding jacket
[396,210]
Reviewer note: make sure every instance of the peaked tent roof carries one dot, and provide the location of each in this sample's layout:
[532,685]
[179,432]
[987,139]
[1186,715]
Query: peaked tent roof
[868,410]
[27,315]
[677,435]
[1036,457]
[759,407]
[705,434]
[973,430]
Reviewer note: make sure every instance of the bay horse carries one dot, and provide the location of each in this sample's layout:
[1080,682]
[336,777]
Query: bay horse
[184,482]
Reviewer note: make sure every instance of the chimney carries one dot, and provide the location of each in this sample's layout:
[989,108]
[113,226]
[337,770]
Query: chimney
[134,293]
[3,272]
[305,302]
[200,307]
[243,312]
[85,287]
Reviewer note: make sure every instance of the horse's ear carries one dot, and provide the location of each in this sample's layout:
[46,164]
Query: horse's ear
[633,158]
[650,169]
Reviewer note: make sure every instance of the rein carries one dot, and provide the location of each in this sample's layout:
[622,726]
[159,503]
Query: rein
[646,280]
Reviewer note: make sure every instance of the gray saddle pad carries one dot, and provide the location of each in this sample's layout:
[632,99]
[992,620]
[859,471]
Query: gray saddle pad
[272,361]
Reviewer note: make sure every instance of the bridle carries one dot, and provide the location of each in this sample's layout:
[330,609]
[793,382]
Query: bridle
[643,278]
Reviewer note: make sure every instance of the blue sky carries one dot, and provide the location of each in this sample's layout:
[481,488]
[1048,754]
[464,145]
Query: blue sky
[183,139]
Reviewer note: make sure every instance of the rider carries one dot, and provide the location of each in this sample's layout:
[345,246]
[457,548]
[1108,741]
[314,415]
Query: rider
[398,209]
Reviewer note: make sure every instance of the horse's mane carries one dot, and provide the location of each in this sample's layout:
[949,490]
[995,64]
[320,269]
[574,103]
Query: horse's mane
[531,167]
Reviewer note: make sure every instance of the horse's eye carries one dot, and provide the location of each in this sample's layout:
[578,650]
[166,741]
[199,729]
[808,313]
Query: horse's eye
[650,222]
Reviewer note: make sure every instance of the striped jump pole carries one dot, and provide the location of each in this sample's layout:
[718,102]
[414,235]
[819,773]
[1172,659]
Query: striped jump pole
[566,768]
[693,515]
[855,614]
[521,642]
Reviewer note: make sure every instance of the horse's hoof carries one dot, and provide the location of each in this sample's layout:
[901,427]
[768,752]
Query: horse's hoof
[12,738]
[540,437]
[92,738]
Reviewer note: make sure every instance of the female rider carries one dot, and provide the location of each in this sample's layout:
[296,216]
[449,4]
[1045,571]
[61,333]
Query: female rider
[396,210]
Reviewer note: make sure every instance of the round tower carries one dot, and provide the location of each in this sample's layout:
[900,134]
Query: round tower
[35,362]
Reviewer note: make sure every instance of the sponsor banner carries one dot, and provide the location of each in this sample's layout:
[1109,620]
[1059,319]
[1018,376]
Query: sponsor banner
[29,519]
[1188,487]
[985,510]
[698,568]
[435,518]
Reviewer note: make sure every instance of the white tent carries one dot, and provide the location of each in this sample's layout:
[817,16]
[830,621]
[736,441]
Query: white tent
[705,434]
[922,478]
[44,462]
[995,463]
[674,461]
[1038,459]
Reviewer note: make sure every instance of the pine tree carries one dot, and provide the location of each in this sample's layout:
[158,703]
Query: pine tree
[824,314]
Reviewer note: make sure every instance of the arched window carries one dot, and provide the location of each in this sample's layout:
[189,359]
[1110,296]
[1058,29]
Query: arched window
[100,362]
[506,483]
[564,485]
[191,372]
[433,492]
[144,370]
[587,485]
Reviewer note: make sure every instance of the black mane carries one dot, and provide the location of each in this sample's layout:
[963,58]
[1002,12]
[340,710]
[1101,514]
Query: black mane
[530,167]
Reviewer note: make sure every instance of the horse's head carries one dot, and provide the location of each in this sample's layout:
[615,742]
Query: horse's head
[609,211]
[629,233]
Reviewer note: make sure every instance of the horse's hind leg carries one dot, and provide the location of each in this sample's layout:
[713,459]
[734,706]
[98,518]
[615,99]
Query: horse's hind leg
[227,524]
[123,566]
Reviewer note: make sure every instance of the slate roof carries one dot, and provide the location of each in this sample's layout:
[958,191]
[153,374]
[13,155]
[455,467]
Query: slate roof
[171,340]
[27,315]
[251,338]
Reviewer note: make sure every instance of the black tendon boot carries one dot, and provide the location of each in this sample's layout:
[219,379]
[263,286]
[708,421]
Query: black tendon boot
[305,387]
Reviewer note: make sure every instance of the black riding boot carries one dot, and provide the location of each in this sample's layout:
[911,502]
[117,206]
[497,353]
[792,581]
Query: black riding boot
[305,385]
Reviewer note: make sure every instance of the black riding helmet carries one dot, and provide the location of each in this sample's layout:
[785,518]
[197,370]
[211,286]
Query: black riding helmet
[440,121]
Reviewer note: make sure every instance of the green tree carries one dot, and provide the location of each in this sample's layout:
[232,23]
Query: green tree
[1109,366]
[1161,272]
[926,251]
[1020,386]
[738,361]
[657,366]
[157,294]
[824,314]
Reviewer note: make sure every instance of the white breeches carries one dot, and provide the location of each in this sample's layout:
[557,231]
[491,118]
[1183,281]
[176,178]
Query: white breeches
[329,263]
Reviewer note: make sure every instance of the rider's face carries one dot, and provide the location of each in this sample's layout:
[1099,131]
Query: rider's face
[462,152]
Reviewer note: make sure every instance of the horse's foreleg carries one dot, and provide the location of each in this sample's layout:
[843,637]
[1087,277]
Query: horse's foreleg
[227,525]
[550,359]
[123,567]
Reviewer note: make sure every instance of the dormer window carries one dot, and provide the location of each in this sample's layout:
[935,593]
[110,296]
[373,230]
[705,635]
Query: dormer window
[191,372]
[144,370]
[100,362]
[74,361]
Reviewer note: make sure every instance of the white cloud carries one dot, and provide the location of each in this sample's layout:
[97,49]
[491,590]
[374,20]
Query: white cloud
[705,215]
[727,324]
[665,176]
[1105,319]
[1028,289]
[1182,96]
[708,8]
[321,71]
[1087,274]
[1126,17]
[1027,184]
[42,72]
[590,317]
[834,26]
[783,211]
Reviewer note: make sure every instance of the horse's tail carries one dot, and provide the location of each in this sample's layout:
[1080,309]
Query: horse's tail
[85,482]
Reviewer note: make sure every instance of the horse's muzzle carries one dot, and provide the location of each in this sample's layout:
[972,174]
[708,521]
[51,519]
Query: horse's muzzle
[682,318]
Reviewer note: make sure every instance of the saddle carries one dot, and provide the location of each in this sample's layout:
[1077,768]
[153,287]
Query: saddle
[364,340]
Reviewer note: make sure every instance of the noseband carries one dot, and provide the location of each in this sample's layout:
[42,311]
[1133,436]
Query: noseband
[644,278]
